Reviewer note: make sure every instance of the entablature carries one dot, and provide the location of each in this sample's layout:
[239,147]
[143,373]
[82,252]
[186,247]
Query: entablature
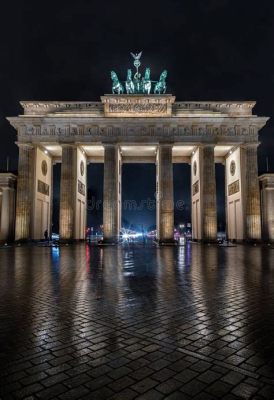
[132,106]
[142,129]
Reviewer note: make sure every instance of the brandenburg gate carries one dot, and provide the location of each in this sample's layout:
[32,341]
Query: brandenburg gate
[133,125]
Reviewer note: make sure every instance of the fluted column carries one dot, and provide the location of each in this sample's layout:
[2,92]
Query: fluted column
[253,214]
[165,194]
[111,193]
[67,192]
[209,220]
[1,213]
[267,206]
[24,191]
[7,217]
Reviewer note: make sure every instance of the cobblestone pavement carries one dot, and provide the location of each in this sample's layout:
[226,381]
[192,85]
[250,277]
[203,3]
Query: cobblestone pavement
[80,322]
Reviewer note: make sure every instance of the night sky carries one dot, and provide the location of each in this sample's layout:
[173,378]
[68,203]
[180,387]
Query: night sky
[213,50]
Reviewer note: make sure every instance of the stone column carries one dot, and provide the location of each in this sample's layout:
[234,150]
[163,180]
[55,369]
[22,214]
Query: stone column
[267,206]
[111,194]
[7,216]
[209,207]
[1,192]
[165,201]
[25,191]
[253,214]
[67,192]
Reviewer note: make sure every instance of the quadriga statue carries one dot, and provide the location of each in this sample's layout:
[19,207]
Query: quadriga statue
[160,86]
[117,87]
[129,82]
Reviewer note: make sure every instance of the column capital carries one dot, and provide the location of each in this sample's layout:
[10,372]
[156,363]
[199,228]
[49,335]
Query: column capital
[204,145]
[25,145]
[110,144]
[72,145]
[165,144]
[250,145]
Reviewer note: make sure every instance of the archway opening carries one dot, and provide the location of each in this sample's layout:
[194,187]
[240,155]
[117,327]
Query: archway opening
[220,200]
[182,200]
[56,174]
[95,197]
[138,199]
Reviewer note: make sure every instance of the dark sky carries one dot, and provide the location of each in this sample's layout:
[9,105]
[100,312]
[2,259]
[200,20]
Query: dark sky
[213,50]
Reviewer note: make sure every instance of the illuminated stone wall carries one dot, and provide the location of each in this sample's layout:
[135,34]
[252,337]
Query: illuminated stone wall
[267,206]
[42,195]
[235,194]
[7,206]
[196,197]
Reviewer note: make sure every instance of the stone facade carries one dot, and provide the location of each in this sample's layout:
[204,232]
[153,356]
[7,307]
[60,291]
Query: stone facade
[164,132]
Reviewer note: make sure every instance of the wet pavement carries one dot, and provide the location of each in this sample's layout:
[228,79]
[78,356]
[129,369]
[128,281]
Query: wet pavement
[137,322]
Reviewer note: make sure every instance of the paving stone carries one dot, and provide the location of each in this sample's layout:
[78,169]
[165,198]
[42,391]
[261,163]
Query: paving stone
[193,387]
[244,391]
[126,394]
[204,396]
[141,373]
[209,376]
[77,380]
[267,392]
[169,386]
[144,385]
[178,396]
[28,390]
[121,384]
[100,394]
[52,380]
[98,383]
[75,393]
[219,389]
[233,378]
[200,366]
[159,364]
[51,392]
[186,375]
[163,374]
[33,378]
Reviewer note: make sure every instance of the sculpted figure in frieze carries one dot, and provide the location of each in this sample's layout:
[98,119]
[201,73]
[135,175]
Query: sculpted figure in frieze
[30,130]
[44,131]
[231,131]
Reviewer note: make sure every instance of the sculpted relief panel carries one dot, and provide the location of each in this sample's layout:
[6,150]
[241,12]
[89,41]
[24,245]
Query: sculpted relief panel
[138,108]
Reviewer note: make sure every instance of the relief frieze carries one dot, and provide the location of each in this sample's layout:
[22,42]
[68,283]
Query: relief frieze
[195,188]
[233,187]
[42,187]
[81,188]
[141,130]
[134,108]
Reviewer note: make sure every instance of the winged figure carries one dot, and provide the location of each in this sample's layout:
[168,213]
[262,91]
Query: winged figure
[137,56]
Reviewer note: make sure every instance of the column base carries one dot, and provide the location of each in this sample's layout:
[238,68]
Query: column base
[205,241]
[166,242]
[209,241]
[253,241]
[108,242]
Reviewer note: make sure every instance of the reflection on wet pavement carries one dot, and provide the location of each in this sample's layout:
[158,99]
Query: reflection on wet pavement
[137,322]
